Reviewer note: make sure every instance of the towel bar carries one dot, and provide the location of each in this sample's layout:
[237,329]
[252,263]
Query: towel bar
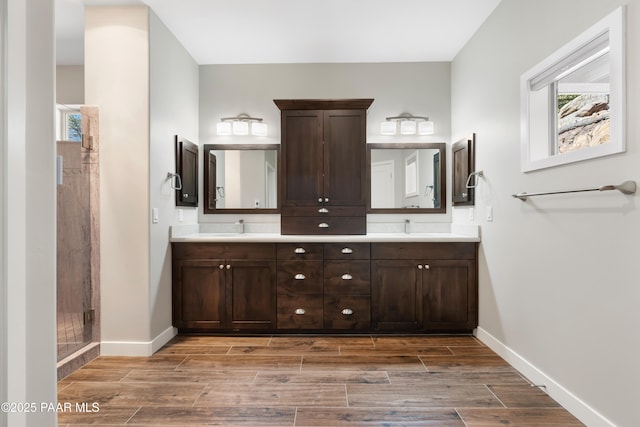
[627,187]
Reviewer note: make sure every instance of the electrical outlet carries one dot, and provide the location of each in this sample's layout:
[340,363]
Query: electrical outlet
[180,215]
[256,203]
[472,214]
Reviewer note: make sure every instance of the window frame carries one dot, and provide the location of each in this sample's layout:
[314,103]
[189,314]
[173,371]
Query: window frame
[531,142]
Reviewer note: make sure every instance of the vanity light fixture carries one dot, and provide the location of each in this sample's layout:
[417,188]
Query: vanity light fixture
[409,125]
[242,124]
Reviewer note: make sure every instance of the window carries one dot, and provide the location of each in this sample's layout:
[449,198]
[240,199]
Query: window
[573,101]
[69,123]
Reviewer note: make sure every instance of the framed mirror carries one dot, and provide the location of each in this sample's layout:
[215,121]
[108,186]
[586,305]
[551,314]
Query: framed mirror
[406,177]
[573,102]
[241,178]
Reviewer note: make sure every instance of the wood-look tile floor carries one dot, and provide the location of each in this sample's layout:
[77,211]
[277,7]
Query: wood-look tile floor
[310,381]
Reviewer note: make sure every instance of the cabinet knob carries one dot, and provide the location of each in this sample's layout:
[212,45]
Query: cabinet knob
[347,276]
[300,311]
[347,312]
[228,266]
[299,276]
[221,267]
[323,225]
[319,199]
[464,194]
[185,195]
[426,266]
[323,210]
[326,200]
[300,251]
[419,266]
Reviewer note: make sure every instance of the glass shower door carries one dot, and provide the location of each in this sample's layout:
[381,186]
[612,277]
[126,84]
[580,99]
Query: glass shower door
[74,266]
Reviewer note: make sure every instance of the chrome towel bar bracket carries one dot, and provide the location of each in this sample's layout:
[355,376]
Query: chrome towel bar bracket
[627,187]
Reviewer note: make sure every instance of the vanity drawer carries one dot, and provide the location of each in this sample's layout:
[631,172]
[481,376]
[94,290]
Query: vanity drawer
[347,277]
[299,277]
[210,250]
[347,251]
[300,312]
[426,251]
[349,225]
[321,211]
[300,251]
[347,312]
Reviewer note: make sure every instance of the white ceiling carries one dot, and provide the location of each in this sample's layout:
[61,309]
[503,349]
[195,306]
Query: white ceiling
[298,31]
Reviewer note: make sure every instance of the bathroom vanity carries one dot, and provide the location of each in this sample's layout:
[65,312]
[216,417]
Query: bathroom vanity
[325,271]
[269,283]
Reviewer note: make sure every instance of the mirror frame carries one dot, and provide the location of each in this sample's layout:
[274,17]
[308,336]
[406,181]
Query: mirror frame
[440,146]
[207,148]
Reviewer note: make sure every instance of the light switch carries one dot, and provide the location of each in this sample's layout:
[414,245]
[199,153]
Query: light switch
[154,215]
[180,215]
[472,214]
[489,213]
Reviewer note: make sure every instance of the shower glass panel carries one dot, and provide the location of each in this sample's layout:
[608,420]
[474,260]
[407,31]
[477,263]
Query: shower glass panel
[74,311]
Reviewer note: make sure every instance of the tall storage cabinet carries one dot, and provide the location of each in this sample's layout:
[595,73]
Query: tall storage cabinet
[323,185]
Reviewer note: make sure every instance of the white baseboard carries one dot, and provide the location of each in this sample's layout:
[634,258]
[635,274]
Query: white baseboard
[137,348]
[556,391]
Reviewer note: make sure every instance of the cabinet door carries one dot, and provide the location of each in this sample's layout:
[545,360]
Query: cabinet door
[344,157]
[463,164]
[450,295]
[396,295]
[199,294]
[302,158]
[187,169]
[251,291]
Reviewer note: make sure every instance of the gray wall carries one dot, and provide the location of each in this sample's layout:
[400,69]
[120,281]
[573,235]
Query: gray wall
[27,196]
[558,275]
[173,77]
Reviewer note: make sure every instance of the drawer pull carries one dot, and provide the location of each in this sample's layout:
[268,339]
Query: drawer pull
[323,210]
[323,225]
[300,251]
[300,311]
[347,251]
[347,276]
[299,276]
[347,312]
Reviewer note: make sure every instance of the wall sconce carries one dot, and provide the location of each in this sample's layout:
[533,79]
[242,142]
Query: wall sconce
[409,125]
[242,124]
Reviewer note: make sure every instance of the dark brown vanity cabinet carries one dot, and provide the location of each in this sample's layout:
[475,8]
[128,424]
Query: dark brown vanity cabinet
[424,287]
[347,286]
[324,286]
[300,286]
[224,287]
[323,175]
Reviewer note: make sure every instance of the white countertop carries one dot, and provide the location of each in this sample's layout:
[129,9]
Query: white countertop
[370,237]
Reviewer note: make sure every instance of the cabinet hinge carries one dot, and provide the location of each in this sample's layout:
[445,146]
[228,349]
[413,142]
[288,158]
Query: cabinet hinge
[89,316]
